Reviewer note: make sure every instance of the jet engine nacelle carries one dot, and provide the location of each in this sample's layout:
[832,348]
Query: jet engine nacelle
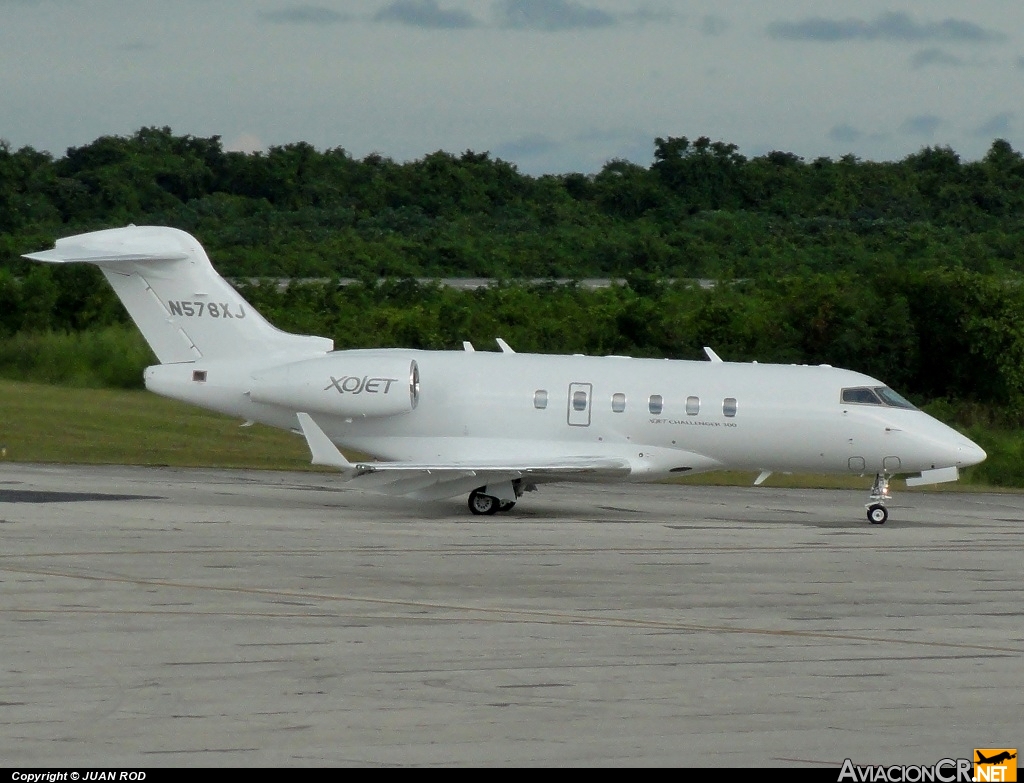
[340,385]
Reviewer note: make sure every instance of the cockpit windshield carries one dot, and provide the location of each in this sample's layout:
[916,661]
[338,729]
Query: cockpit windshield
[891,398]
[876,395]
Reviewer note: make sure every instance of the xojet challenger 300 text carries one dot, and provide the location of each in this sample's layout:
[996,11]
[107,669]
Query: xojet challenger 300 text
[443,423]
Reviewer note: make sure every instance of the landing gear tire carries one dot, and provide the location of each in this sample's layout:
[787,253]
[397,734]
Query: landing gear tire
[506,505]
[877,514]
[483,505]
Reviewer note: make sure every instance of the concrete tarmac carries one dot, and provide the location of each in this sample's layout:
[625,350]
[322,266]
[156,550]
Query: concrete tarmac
[157,617]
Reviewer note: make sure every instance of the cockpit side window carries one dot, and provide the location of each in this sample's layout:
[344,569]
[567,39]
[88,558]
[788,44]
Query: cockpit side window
[861,396]
[877,395]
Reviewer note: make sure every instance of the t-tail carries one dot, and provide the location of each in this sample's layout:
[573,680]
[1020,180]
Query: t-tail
[184,309]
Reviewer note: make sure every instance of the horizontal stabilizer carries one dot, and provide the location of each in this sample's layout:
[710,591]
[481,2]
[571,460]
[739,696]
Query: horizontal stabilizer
[129,245]
[74,254]
[937,476]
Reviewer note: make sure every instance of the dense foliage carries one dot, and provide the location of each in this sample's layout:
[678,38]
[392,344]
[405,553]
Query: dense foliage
[700,210]
[905,270]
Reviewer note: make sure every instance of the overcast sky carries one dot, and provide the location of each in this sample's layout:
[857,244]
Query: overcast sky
[551,85]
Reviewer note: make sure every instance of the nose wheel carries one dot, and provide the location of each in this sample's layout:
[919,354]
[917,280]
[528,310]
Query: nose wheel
[877,512]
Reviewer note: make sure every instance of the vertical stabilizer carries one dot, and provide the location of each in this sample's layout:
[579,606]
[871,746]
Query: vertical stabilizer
[183,308]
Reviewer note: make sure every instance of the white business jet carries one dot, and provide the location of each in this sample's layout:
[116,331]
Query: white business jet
[443,423]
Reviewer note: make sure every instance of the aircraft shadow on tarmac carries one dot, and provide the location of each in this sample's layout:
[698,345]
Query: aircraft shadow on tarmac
[45,496]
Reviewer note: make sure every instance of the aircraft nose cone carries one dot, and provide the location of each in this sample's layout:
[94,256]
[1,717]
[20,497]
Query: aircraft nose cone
[970,453]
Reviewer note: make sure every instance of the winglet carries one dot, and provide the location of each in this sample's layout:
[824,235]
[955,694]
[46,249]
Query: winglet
[712,355]
[320,446]
[505,347]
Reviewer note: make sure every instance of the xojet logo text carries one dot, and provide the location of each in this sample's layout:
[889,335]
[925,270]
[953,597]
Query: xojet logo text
[353,384]
[943,771]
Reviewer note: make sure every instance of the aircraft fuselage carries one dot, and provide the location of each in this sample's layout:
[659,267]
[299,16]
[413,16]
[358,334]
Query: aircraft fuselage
[664,417]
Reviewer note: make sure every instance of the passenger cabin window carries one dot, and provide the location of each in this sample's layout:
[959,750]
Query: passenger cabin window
[692,406]
[729,406]
[877,395]
[579,401]
[655,404]
[540,399]
[618,402]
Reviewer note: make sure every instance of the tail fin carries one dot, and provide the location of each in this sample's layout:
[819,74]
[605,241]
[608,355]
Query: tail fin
[184,309]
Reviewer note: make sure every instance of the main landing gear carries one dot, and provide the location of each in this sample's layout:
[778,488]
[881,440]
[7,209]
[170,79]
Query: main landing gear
[877,512]
[485,501]
[482,504]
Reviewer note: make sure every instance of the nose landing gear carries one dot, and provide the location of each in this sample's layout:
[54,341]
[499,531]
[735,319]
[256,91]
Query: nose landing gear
[877,512]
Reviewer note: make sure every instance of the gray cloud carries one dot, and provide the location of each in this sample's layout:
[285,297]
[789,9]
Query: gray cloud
[424,13]
[922,124]
[544,15]
[550,15]
[305,14]
[934,56]
[135,46]
[997,125]
[713,25]
[526,146]
[845,133]
[649,14]
[588,151]
[886,27]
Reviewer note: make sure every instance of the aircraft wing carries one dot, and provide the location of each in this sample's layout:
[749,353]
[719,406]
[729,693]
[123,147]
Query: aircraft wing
[433,481]
[436,481]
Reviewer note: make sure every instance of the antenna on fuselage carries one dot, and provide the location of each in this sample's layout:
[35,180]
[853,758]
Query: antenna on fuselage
[712,355]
